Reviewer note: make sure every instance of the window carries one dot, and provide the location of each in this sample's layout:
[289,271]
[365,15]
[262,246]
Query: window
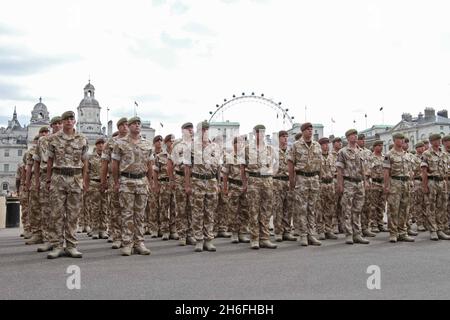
[6,167]
[19,152]
[6,153]
[442,127]
[5,186]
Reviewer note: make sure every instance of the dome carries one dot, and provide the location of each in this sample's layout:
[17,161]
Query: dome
[40,113]
[89,86]
[89,102]
[40,105]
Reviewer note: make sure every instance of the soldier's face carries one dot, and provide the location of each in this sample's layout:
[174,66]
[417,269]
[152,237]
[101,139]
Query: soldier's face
[399,143]
[324,147]
[135,127]
[307,133]
[436,143]
[99,147]
[123,129]
[45,133]
[352,138]
[69,123]
[405,146]
[57,126]
[378,148]
[337,145]
[361,143]
[447,145]
[158,144]
[420,150]
[283,140]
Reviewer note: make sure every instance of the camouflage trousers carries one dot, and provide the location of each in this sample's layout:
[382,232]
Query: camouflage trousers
[115,216]
[238,211]
[352,202]
[260,203]
[164,208]
[306,199]
[24,204]
[377,205]
[366,218]
[152,214]
[133,218]
[172,213]
[436,206]
[418,207]
[398,206]
[46,223]
[326,208]
[84,219]
[97,207]
[338,219]
[66,197]
[35,212]
[221,217]
[204,200]
[282,207]
[184,209]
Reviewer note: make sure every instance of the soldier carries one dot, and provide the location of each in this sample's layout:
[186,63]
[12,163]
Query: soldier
[40,174]
[97,197]
[256,176]
[161,190]
[115,215]
[152,209]
[352,184]
[426,145]
[410,159]
[33,187]
[131,164]
[298,136]
[434,186]
[397,190]
[446,146]
[326,205]
[202,188]
[418,208]
[233,189]
[168,144]
[23,197]
[181,154]
[283,198]
[377,204]
[66,179]
[304,161]
[338,223]
[365,214]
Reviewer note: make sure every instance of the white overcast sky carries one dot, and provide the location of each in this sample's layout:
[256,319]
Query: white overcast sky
[180,58]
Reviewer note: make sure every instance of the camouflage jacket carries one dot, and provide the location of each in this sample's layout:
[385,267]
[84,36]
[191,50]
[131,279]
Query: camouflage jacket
[259,161]
[282,162]
[160,164]
[351,160]
[95,165]
[366,154]
[398,163]
[67,151]
[328,167]
[306,158]
[41,154]
[435,162]
[376,166]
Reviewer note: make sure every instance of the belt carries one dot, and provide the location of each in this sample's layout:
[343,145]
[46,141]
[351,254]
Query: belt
[258,175]
[282,178]
[234,181]
[165,179]
[377,180]
[180,173]
[435,178]
[418,178]
[402,178]
[96,180]
[67,171]
[352,179]
[132,175]
[307,174]
[327,180]
[203,176]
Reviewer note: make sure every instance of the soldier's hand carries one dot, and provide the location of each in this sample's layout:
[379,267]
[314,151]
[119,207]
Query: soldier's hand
[172,185]
[386,191]
[116,188]
[244,187]
[425,190]
[188,190]
[104,187]
[291,185]
[340,189]
[156,188]
[85,186]
[48,185]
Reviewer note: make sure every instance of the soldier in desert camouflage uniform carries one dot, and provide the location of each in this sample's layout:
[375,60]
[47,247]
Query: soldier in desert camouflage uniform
[352,185]
[397,190]
[305,160]
[338,220]
[66,179]
[168,146]
[410,160]
[131,164]
[418,202]
[97,197]
[446,149]
[23,197]
[434,186]
[326,205]
[376,196]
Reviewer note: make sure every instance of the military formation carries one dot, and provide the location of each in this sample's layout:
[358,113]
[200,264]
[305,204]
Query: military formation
[193,189]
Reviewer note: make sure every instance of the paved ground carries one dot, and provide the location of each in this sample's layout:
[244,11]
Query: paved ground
[334,271]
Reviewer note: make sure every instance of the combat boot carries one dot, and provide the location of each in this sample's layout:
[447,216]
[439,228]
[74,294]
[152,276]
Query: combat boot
[383,228]
[45,247]
[442,235]
[199,246]
[375,230]
[289,237]
[393,238]
[405,238]
[267,244]
[278,238]
[89,234]
[55,253]
[103,235]
[88,230]
[244,238]
[116,245]
[27,235]
[182,242]
[412,233]
[165,236]
[154,234]
[235,237]
[359,239]
[174,236]
[191,241]
[95,237]
[368,233]
[34,240]
[303,241]
[254,244]
[321,236]
[313,241]
[223,234]
[209,246]
[142,250]
[447,232]
[73,252]
[331,236]
[434,236]
[349,239]
[421,229]
[126,251]
[110,239]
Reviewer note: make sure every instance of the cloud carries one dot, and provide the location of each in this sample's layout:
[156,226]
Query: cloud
[178,7]
[19,61]
[157,3]
[199,29]
[145,49]
[10,91]
[180,43]
[7,30]
[148,98]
